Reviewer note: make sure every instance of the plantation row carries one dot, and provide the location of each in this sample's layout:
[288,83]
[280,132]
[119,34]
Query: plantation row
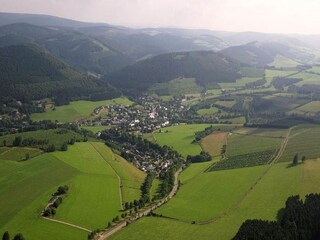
[245,160]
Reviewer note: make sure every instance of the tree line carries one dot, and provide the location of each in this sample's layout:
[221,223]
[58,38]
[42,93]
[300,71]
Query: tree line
[297,220]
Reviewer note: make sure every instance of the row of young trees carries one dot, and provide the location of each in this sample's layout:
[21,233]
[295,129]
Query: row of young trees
[298,220]
[57,200]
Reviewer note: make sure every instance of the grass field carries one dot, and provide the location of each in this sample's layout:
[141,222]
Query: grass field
[308,78]
[309,108]
[304,141]
[283,62]
[262,132]
[243,144]
[201,198]
[179,86]
[252,72]
[207,111]
[180,137]
[227,104]
[240,83]
[76,110]
[214,142]
[263,202]
[92,201]
[18,154]
[54,136]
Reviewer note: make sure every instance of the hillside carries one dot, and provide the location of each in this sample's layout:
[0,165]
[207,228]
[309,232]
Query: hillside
[75,48]
[264,53]
[208,68]
[27,72]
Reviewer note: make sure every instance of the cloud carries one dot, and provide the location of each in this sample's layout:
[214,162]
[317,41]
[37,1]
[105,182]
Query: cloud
[287,16]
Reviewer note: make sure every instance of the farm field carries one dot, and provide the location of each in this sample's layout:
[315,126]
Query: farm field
[176,87]
[252,71]
[207,111]
[201,198]
[262,132]
[283,62]
[18,154]
[240,83]
[227,104]
[242,144]
[54,136]
[303,140]
[180,137]
[309,108]
[92,201]
[214,142]
[263,202]
[308,78]
[76,110]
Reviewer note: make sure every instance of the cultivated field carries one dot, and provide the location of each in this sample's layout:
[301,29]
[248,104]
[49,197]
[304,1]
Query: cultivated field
[309,108]
[214,142]
[242,144]
[76,110]
[207,111]
[263,201]
[304,141]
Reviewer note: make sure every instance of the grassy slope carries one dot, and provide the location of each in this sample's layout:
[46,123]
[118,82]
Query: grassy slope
[51,135]
[201,199]
[76,110]
[18,154]
[180,137]
[303,140]
[264,201]
[25,189]
[93,199]
[131,177]
[242,144]
[94,194]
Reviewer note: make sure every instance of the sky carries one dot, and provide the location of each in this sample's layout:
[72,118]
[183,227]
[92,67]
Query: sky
[272,16]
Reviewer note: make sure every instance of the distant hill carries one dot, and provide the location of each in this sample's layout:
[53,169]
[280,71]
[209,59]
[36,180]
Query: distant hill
[42,20]
[27,72]
[208,68]
[263,53]
[77,49]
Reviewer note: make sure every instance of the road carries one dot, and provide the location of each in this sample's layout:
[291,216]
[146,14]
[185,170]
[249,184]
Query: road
[104,235]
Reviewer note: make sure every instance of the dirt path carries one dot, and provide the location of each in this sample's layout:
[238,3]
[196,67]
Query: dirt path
[67,224]
[145,212]
[115,171]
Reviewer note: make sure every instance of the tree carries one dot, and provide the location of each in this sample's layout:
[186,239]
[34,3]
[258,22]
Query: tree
[27,156]
[64,147]
[6,236]
[109,225]
[17,141]
[295,159]
[4,143]
[303,158]
[19,236]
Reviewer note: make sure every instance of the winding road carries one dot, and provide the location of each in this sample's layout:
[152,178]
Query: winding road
[104,235]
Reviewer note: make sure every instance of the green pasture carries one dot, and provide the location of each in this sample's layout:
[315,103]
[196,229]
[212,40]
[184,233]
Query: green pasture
[180,137]
[263,202]
[76,110]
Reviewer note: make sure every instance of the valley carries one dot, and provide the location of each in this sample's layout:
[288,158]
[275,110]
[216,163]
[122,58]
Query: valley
[109,132]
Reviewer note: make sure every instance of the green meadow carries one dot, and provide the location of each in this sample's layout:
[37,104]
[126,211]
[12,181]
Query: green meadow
[180,137]
[262,202]
[76,110]
[89,169]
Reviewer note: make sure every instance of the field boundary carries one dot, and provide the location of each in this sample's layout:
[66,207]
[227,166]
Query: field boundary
[115,171]
[67,224]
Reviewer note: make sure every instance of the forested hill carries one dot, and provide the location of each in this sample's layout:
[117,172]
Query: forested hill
[77,49]
[264,53]
[206,67]
[27,72]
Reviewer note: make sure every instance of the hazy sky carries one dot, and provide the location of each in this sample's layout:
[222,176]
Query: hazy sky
[285,16]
